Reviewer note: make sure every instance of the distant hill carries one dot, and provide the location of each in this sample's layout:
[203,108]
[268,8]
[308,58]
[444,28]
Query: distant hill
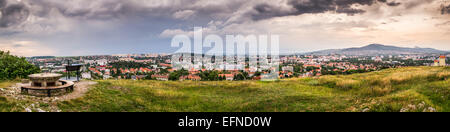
[41,57]
[379,49]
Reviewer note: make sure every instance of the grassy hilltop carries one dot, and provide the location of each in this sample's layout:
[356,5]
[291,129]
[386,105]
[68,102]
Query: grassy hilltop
[412,89]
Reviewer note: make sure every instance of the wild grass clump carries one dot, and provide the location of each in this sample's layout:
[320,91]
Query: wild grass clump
[5,84]
[338,82]
[7,105]
[380,82]
[405,77]
[386,81]
[438,94]
[348,84]
[3,99]
[443,75]
[376,91]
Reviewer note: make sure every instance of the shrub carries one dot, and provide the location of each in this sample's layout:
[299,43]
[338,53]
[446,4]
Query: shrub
[13,67]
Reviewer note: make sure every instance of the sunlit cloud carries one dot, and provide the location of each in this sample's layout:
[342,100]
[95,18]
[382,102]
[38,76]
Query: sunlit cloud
[26,48]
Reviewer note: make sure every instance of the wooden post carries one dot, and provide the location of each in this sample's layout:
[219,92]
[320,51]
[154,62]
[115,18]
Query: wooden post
[78,73]
[24,90]
[49,92]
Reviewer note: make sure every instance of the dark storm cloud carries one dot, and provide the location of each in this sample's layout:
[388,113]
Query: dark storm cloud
[203,11]
[220,10]
[13,15]
[267,11]
[2,3]
[125,9]
[393,3]
[416,3]
[445,10]
[264,11]
[104,10]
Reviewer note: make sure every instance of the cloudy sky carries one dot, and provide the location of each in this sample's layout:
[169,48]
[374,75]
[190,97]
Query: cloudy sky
[91,27]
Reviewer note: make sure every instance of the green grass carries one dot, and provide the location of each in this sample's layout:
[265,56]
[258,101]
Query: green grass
[8,105]
[412,89]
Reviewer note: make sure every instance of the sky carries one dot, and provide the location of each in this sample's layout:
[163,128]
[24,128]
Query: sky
[104,27]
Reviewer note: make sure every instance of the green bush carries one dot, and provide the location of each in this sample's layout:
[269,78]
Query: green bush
[13,67]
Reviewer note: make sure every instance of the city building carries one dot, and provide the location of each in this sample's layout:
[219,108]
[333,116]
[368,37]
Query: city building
[436,63]
[228,77]
[102,62]
[86,75]
[161,77]
[288,69]
[442,61]
[191,77]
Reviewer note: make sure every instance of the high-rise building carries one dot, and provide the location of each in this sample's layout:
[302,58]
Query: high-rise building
[442,60]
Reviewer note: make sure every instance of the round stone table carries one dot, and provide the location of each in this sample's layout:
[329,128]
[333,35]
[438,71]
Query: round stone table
[44,79]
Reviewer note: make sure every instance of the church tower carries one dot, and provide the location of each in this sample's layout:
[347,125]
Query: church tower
[442,61]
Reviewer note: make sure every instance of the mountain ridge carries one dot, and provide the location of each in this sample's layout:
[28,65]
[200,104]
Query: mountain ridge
[379,49]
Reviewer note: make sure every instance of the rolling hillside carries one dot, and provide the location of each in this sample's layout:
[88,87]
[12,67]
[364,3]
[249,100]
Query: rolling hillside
[413,89]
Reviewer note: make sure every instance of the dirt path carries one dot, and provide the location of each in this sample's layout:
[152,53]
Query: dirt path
[80,89]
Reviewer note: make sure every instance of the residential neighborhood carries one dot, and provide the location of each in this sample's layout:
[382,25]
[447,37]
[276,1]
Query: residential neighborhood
[159,67]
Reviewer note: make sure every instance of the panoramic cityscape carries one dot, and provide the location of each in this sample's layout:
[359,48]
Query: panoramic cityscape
[199,59]
[159,67]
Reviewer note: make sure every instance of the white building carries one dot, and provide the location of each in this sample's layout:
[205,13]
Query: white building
[86,75]
[102,62]
[89,61]
[288,69]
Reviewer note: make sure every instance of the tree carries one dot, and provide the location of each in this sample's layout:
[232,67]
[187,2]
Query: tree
[246,75]
[311,68]
[210,76]
[298,68]
[149,76]
[113,74]
[174,76]
[164,71]
[239,77]
[12,67]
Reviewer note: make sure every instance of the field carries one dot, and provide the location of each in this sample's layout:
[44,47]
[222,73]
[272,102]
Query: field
[412,89]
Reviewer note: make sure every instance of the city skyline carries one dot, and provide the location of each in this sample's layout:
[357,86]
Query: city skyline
[104,27]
